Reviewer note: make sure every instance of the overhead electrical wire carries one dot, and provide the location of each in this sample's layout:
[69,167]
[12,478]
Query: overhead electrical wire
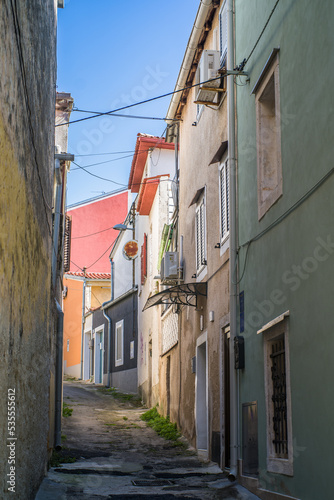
[116,159]
[18,38]
[91,234]
[109,153]
[245,61]
[98,176]
[121,116]
[138,103]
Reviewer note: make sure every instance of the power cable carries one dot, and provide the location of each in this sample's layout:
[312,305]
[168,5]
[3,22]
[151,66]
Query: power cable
[92,234]
[120,116]
[18,38]
[283,216]
[98,176]
[245,61]
[109,153]
[140,102]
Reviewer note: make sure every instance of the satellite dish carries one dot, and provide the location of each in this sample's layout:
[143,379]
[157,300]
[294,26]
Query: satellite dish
[130,250]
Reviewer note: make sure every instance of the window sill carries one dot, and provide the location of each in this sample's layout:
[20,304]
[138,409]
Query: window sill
[280,466]
[201,274]
[224,245]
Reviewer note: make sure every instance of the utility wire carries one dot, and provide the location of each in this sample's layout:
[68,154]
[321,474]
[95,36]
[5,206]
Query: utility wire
[138,103]
[98,176]
[18,37]
[120,116]
[283,216]
[245,61]
[92,234]
[109,153]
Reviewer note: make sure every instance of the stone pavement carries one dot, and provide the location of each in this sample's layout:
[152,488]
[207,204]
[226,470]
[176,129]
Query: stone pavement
[119,457]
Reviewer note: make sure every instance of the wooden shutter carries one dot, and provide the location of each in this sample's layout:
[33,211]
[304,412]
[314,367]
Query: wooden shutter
[143,259]
[67,243]
[224,200]
[223,34]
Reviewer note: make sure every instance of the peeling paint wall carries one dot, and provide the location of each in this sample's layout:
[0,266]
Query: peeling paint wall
[27,103]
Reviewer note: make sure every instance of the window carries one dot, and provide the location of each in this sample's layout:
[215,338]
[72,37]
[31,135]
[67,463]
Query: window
[278,397]
[200,234]
[268,140]
[119,343]
[223,34]
[224,201]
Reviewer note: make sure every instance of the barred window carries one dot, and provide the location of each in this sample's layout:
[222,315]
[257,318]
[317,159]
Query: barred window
[278,396]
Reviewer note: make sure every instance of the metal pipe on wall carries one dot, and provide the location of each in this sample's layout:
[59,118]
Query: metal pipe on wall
[233,245]
[59,376]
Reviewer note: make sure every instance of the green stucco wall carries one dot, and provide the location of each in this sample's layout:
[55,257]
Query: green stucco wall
[291,267]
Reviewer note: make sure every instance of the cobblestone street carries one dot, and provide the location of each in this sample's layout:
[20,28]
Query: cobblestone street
[118,456]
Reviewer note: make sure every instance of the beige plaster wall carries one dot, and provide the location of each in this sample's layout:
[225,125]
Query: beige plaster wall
[198,145]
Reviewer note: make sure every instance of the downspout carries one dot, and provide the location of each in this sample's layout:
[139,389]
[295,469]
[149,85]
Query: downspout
[109,345]
[59,376]
[83,323]
[56,221]
[112,287]
[234,396]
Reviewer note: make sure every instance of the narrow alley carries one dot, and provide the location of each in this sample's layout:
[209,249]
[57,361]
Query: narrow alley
[118,456]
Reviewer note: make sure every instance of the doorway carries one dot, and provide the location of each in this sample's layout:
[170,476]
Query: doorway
[202,394]
[226,387]
[86,355]
[99,350]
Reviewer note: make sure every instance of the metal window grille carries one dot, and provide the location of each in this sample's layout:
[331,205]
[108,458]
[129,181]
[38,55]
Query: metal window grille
[279,399]
[224,200]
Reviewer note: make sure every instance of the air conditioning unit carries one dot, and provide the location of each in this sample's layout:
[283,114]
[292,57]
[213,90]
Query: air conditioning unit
[169,266]
[208,67]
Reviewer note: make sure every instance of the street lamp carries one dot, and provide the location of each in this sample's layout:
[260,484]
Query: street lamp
[122,227]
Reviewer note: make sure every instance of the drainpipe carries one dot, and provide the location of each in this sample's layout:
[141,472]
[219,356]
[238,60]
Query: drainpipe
[83,323]
[109,345]
[234,396]
[59,376]
[112,279]
[56,222]
[112,286]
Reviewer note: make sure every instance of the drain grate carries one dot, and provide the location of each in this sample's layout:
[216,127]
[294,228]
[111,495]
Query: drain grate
[151,482]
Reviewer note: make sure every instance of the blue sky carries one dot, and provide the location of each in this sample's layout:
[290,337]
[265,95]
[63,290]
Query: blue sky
[111,54]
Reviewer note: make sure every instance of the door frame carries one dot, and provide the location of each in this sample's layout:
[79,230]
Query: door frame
[202,396]
[98,361]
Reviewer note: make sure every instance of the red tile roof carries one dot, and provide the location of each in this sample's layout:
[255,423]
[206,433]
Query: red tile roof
[143,145]
[147,193]
[90,276]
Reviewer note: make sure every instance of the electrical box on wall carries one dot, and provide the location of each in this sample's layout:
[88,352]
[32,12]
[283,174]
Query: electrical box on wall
[239,353]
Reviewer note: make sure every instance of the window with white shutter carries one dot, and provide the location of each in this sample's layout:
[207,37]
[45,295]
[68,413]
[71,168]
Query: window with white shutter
[119,343]
[223,33]
[224,201]
[200,235]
